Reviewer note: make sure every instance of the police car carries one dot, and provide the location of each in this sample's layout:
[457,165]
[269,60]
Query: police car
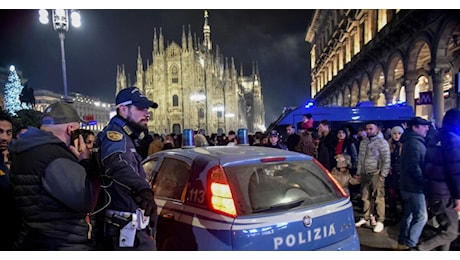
[247,198]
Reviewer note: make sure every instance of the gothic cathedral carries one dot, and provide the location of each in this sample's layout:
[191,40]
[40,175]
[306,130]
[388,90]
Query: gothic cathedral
[197,88]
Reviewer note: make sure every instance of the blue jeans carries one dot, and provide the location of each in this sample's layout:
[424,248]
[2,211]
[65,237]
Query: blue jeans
[414,218]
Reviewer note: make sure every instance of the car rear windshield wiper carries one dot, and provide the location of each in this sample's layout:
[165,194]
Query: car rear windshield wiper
[281,206]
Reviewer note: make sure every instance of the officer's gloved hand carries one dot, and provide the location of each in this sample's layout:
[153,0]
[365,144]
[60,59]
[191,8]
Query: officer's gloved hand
[145,200]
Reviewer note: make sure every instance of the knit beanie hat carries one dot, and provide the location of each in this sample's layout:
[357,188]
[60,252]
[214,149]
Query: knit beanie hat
[397,129]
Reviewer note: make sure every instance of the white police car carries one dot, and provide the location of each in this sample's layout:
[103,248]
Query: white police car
[248,198]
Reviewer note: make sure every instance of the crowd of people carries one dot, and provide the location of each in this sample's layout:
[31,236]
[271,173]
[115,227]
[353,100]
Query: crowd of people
[407,174]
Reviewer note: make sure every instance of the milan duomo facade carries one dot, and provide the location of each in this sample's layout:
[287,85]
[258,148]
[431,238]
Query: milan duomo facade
[196,88]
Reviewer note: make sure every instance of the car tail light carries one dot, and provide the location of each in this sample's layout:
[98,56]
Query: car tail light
[221,198]
[336,183]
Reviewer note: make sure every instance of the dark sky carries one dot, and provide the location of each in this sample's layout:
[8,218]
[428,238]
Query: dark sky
[273,38]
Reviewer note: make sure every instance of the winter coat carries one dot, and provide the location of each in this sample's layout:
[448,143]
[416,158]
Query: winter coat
[292,141]
[53,192]
[326,150]
[374,156]
[122,164]
[395,155]
[442,166]
[412,162]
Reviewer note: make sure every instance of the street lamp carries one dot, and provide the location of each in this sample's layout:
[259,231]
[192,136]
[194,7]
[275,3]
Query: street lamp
[220,110]
[198,98]
[61,25]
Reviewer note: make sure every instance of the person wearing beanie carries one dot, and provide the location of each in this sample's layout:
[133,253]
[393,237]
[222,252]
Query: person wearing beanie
[397,129]
[392,180]
[442,182]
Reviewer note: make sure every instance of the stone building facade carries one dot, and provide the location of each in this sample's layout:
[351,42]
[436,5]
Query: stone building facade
[386,57]
[197,88]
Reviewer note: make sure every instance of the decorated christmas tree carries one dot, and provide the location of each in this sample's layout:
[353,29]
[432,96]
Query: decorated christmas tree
[13,89]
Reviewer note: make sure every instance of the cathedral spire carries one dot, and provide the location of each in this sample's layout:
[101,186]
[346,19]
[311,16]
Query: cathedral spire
[206,32]
[256,75]
[140,70]
[184,40]
[139,59]
[226,69]
[233,70]
[190,40]
[155,42]
[162,47]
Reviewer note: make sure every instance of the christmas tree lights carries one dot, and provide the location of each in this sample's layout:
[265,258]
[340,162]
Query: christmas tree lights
[13,89]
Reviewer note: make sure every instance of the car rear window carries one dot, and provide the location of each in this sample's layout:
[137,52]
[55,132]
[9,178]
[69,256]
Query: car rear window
[276,186]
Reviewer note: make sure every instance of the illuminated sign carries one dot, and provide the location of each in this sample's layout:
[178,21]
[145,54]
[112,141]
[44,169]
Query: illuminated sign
[425,98]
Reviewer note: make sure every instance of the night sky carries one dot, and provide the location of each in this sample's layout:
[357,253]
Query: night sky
[273,38]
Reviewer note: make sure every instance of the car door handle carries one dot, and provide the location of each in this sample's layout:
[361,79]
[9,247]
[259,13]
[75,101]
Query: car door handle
[168,215]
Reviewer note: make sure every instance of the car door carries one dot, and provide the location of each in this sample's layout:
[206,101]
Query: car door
[169,186]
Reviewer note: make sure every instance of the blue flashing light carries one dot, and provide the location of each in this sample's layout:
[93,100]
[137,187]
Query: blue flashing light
[242,136]
[398,103]
[188,138]
[309,104]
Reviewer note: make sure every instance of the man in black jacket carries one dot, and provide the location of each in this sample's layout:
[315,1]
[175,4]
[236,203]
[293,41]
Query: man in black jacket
[54,183]
[326,146]
[411,183]
[292,137]
[442,177]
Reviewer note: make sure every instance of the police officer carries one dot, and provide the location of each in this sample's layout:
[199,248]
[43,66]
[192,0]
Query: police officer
[130,207]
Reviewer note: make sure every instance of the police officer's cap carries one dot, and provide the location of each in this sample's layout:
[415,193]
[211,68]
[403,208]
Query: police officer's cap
[133,96]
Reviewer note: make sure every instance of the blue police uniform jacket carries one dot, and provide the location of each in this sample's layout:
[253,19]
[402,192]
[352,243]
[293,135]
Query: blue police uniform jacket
[123,172]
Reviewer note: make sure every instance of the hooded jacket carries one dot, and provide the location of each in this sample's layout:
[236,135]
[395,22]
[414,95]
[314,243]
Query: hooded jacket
[412,162]
[53,193]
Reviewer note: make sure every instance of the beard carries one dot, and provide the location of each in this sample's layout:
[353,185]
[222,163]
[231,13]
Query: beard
[137,125]
[372,135]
